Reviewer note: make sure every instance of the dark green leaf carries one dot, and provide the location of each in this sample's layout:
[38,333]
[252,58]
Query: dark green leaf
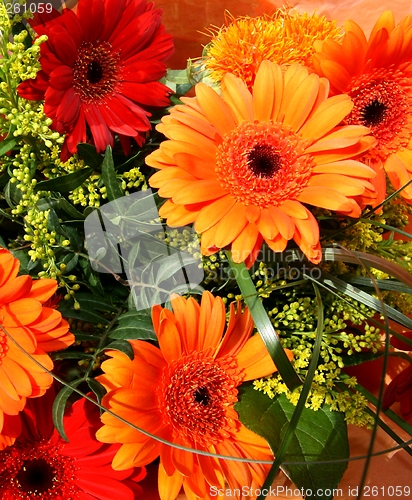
[70,355]
[94,302]
[76,241]
[7,145]
[66,183]
[59,407]
[134,325]
[319,436]
[70,209]
[89,155]
[114,190]
[92,277]
[97,388]
[53,223]
[360,357]
[71,260]
[12,194]
[121,346]
[68,311]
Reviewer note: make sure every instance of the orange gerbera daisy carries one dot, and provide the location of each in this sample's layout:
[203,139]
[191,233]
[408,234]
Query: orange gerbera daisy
[377,75]
[285,38]
[241,166]
[184,392]
[37,329]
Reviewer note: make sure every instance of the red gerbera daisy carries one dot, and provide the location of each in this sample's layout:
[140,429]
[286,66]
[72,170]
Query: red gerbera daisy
[41,465]
[101,66]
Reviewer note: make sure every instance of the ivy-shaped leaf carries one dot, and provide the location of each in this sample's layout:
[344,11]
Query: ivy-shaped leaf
[319,436]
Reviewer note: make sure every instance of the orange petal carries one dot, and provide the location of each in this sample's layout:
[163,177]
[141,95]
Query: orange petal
[9,266]
[347,167]
[187,313]
[342,137]
[212,321]
[169,340]
[324,197]
[198,167]
[231,225]
[42,290]
[215,109]
[236,94]
[255,359]
[195,192]
[243,245]
[328,115]
[239,329]
[283,222]
[213,213]
[348,186]
[302,102]
[15,289]
[169,486]
[266,226]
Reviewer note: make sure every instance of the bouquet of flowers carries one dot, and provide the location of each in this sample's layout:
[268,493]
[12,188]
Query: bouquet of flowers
[199,266]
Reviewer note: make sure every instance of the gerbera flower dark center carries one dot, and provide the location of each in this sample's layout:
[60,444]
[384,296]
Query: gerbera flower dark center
[37,469]
[374,113]
[95,72]
[198,390]
[264,161]
[36,476]
[202,396]
[263,164]
[382,102]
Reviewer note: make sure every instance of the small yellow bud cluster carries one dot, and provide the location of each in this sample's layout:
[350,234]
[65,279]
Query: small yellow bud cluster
[132,180]
[24,63]
[90,193]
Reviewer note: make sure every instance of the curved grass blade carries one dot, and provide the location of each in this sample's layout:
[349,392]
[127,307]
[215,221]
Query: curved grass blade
[263,324]
[301,402]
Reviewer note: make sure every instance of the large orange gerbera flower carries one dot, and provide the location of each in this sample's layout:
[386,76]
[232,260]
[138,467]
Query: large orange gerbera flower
[241,166]
[37,329]
[184,392]
[377,75]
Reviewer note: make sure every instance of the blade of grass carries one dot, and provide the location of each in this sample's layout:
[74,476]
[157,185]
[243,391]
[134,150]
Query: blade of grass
[263,324]
[301,402]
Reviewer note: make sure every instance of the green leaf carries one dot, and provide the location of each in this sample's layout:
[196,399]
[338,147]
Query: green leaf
[114,190]
[360,357]
[69,209]
[263,324]
[134,325]
[76,241]
[121,346]
[97,388]
[12,194]
[67,310]
[66,183]
[59,407]
[53,223]
[70,355]
[71,260]
[89,155]
[94,303]
[7,145]
[319,436]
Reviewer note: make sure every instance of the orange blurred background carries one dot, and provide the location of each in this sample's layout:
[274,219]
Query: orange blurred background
[186,20]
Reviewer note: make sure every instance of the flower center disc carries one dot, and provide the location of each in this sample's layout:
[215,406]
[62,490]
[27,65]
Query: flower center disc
[37,470]
[95,72]
[263,164]
[197,393]
[383,103]
[36,476]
